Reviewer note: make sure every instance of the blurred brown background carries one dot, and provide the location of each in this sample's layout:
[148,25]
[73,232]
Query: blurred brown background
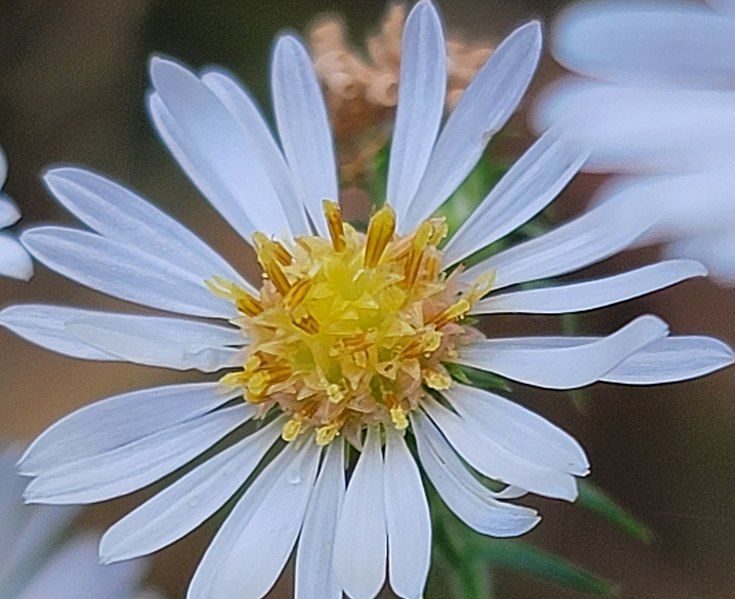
[72,83]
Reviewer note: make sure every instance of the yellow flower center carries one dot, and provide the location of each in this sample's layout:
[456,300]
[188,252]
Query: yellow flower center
[348,331]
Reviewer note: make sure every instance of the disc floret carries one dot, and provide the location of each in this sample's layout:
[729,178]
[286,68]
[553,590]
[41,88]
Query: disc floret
[349,331]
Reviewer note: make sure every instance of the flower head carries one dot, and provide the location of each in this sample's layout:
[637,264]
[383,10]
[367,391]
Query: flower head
[37,566]
[348,343]
[653,101]
[14,260]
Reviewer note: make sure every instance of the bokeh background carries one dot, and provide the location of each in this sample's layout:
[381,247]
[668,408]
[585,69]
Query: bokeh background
[72,83]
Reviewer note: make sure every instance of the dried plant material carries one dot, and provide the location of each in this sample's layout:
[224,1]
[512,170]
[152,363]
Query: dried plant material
[362,87]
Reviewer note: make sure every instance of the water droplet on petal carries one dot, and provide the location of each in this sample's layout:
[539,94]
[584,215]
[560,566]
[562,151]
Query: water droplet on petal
[294,477]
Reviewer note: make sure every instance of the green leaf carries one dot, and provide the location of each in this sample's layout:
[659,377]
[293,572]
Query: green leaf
[476,377]
[598,502]
[546,566]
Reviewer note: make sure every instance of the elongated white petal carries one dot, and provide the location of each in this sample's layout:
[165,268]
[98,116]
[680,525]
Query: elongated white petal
[423,83]
[181,507]
[532,362]
[210,146]
[407,519]
[518,429]
[135,465]
[648,42]
[303,127]
[472,502]
[716,249]
[526,189]
[116,212]
[315,577]
[360,566]
[14,259]
[240,104]
[154,341]
[672,359]
[252,546]
[120,420]
[486,105]
[590,238]
[122,271]
[494,460]
[588,295]
[9,213]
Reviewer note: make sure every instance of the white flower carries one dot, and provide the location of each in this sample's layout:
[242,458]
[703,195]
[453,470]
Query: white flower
[348,332]
[36,563]
[14,260]
[655,102]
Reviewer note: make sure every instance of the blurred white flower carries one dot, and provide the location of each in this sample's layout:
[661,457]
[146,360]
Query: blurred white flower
[38,563]
[345,345]
[655,101]
[14,260]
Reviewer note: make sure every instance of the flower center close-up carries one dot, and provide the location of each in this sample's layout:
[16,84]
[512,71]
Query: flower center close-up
[348,331]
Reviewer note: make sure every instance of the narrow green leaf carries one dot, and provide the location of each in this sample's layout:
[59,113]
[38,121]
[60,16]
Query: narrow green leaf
[546,566]
[476,377]
[598,502]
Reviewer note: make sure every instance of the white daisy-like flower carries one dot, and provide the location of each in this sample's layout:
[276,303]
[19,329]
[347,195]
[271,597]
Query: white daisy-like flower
[653,100]
[14,260]
[37,564]
[343,347]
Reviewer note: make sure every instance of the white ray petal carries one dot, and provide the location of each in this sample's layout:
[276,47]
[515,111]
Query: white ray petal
[592,237]
[518,429]
[116,212]
[421,91]
[123,271]
[184,505]
[212,149]
[472,502]
[649,42]
[252,546]
[14,259]
[407,518]
[315,577]
[9,212]
[672,359]
[588,295]
[135,465]
[531,184]
[360,566]
[495,461]
[156,341]
[532,362]
[120,420]
[303,127]
[483,110]
[240,104]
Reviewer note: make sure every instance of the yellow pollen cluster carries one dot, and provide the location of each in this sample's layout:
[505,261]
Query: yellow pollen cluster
[348,331]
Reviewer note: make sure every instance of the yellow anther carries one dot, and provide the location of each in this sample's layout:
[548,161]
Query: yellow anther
[432,341]
[291,429]
[258,383]
[439,230]
[437,380]
[360,358]
[253,362]
[327,433]
[336,226]
[399,418]
[298,292]
[416,252]
[307,324]
[270,256]
[249,305]
[454,312]
[270,249]
[380,232]
[335,393]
